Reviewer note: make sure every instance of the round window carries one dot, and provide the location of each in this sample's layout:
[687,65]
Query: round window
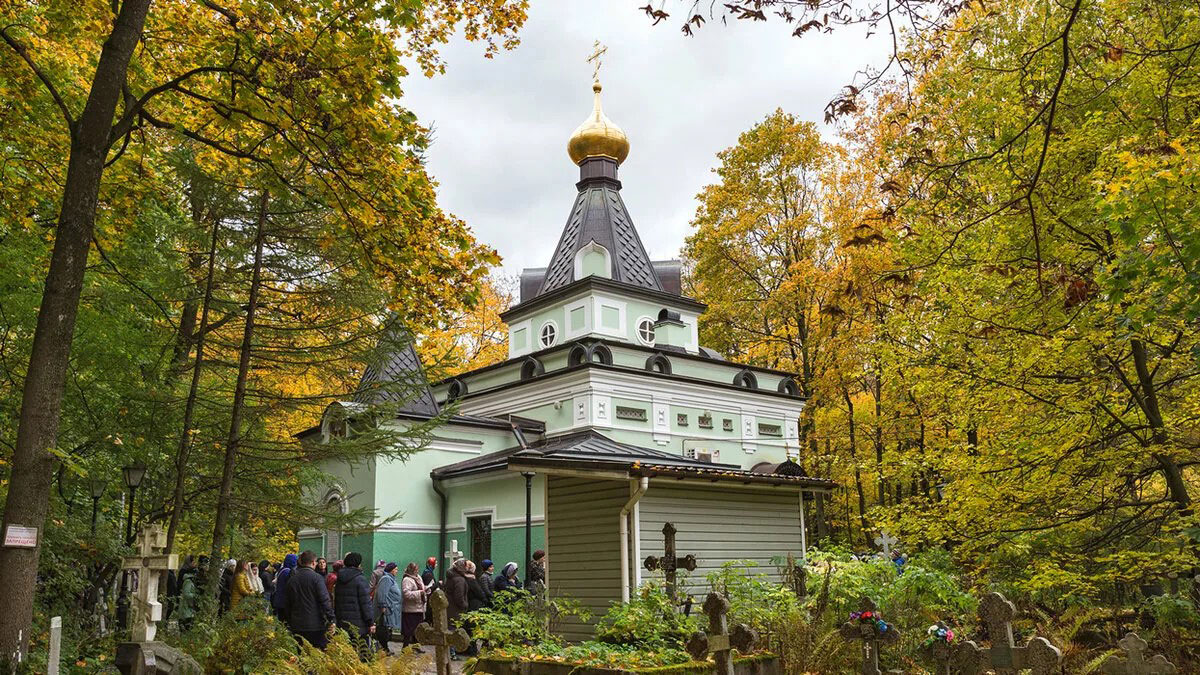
[645,330]
[549,335]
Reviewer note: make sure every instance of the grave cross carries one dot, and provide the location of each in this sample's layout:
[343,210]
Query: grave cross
[453,555]
[439,634]
[719,639]
[996,612]
[1134,662]
[148,568]
[870,635]
[669,562]
[885,541]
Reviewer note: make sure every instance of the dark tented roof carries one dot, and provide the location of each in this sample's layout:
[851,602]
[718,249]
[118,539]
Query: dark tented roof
[669,273]
[397,377]
[589,445]
[599,215]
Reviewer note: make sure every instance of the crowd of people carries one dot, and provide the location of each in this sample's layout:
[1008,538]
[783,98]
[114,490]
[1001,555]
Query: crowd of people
[314,599]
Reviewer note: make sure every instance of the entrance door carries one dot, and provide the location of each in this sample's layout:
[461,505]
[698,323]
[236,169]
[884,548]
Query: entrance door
[480,530]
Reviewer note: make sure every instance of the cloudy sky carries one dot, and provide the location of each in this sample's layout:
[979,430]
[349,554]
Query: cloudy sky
[501,125]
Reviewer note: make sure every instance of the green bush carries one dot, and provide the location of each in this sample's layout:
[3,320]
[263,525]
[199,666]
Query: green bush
[650,620]
[518,618]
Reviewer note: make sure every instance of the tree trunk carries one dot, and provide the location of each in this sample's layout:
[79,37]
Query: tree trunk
[189,408]
[41,403]
[862,499]
[1148,399]
[225,498]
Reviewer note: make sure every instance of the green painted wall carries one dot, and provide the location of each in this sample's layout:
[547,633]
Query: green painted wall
[314,544]
[404,547]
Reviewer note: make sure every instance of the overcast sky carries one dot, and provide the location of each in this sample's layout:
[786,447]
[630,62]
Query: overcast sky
[501,125]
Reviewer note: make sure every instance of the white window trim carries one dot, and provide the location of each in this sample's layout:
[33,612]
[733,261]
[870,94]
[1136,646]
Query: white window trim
[591,247]
[598,311]
[512,329]
[637,330]
[557,334]
[587,319]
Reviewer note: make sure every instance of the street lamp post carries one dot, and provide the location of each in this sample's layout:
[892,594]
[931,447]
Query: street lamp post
[133,475]
[528,521]
[97,485]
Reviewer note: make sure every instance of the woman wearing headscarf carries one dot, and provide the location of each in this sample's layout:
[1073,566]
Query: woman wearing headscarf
[332,577]
[279,598]
[413,590]
[390,601]
[256,583]
[457,593]
[508,581]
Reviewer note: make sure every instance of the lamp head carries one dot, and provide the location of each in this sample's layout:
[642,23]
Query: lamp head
[134,474]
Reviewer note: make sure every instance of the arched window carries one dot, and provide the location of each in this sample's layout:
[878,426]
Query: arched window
[531,368]
[335,505]
[592,259]
[578,355]
[659,363]
[601,354]
[645,331]
[456,390]
[549,334]
[788,386]
[746,380]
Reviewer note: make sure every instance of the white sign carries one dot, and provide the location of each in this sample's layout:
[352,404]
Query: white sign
[19,536]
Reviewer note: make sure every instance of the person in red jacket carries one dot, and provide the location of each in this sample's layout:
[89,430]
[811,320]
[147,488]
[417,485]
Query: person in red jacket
[331,578]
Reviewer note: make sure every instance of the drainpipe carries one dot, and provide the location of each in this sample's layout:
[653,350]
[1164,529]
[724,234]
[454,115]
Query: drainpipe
[437,487]
[639,489]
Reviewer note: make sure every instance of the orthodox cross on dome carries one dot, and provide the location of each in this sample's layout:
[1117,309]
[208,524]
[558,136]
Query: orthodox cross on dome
[668,562]
[149,567]
[439,633]
[1004,656]
[719,639]
[1135,662]
[598,50]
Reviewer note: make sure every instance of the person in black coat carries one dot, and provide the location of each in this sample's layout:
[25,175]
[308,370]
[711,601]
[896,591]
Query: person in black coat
[306,606]
[352,599]
[267,577]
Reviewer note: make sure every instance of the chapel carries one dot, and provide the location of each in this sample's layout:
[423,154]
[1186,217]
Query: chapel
[607,421]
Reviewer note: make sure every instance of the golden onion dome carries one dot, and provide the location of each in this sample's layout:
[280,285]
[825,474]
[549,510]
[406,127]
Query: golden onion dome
[598,136]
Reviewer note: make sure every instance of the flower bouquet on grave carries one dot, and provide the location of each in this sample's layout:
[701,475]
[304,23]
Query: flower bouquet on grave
[869,625]
[938,640]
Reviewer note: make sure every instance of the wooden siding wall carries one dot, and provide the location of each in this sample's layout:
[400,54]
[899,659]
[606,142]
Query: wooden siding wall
[583,545]
[719,524]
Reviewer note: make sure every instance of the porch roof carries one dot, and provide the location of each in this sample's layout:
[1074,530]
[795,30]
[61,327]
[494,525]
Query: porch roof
[590,452]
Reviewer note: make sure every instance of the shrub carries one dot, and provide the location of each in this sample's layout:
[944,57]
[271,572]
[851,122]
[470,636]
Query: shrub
[518,618]
[650,620]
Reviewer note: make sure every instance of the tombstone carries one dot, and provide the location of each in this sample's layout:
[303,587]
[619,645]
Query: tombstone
[996,612]
[439,634]
[940,649]
[870,633]
[53,661]
[669,562]
[1134,662]
[719,639]
[149,567]
[154,658]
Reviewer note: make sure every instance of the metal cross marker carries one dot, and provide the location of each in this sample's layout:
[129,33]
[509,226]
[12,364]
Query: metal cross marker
[1004,656]
[885,542]
[719,639]
[1134,662]
[439,634]
[148,569]
[598,50]
[668,562]
[870,635]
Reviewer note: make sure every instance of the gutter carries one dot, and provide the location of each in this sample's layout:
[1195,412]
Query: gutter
[437,487]
[637,489]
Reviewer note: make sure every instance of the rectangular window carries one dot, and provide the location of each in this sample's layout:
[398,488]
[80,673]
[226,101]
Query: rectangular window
[610,317]
[520,338]
[705,421]
[628,413]
[480,530]
[727,424]
[681,420]
[578,318]
[770,430]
